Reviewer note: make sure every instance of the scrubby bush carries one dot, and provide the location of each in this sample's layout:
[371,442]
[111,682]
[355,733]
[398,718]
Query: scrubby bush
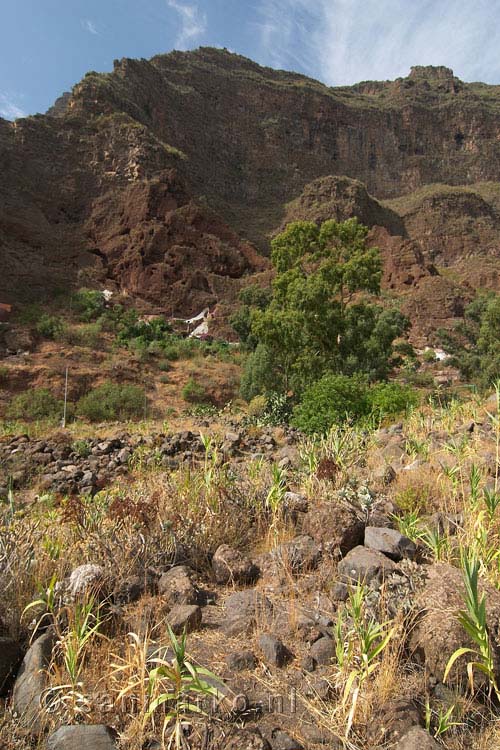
[171,352]
[50,326]
[89,304]
[112,401]
[257,406]
[37,403]
[389,399]
[86,335]
[194,392]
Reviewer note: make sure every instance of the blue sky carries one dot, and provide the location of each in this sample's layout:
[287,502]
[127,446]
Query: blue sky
[48,45]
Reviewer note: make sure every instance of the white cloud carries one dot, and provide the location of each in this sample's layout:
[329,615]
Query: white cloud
[90,26]
[193,22]
[345,41]
[9,108]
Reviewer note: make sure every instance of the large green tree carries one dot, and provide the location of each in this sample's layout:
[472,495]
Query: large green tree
[320,318]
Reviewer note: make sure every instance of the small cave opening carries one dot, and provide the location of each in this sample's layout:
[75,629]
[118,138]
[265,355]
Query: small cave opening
[459,140]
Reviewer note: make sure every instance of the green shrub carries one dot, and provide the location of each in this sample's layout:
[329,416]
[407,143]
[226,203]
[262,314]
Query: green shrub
[112,401]
[164,366]
[475,342]
[50,326]
[89,304]
[278,410]
[171,352]
[420,378]
[338,398]
[332,400]
[4,375]
[194,392]
[389,399]
[37,403]
[429,356]
[29,314]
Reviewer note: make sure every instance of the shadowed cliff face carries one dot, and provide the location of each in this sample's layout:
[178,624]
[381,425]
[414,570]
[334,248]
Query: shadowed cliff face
[147,178]
[257,135]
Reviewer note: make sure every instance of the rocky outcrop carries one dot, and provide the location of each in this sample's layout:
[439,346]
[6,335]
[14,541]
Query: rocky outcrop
[146,179]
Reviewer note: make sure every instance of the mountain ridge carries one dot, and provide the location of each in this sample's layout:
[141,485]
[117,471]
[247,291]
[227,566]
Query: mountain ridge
[166,177]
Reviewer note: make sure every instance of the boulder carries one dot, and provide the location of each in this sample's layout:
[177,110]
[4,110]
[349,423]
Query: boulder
[391,721]
[300,554]
[275,652]
[238,661]
[31,681]
[417,739]
[86,580]
[184,618]
[176,586]
[243,610]
[231,566]
[247,739]
[84,737]
[282,741]
[322,650]
[294,506]
[335,525]
[390,542]
[365,565]
[129,590]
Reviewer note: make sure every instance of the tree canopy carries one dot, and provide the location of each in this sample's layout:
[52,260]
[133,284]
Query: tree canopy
[321,317]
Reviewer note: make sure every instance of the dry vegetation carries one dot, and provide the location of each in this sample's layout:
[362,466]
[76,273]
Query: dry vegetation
[103,667]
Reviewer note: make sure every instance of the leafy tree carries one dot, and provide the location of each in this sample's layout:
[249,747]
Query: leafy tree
[475,343]
[251,297]
[319,319]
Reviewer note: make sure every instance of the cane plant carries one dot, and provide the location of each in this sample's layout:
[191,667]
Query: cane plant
[474,621]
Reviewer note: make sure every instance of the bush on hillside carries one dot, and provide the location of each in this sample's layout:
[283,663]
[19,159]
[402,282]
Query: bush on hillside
[112,401]
[335,399]
[194,392]
[50,326]
[389,399]
[89,304]
[475,343]
[332,400]
[37,403]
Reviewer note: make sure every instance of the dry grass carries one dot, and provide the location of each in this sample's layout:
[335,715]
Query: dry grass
[159,518]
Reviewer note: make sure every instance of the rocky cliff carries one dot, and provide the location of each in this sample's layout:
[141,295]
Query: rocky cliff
[162,177]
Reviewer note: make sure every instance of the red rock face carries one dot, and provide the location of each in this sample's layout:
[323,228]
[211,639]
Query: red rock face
[148,179]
